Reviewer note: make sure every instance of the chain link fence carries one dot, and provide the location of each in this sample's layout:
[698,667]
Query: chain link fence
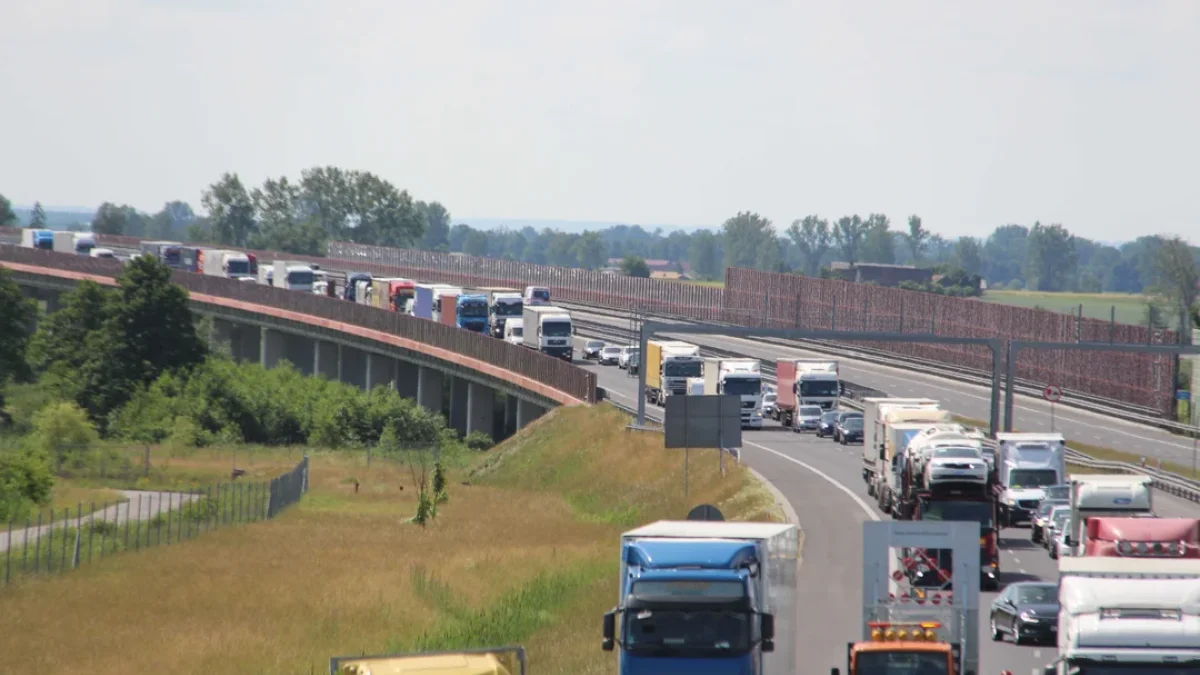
[64,540]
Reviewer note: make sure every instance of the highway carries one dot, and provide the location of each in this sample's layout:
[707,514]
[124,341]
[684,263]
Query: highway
[961,398]
[822,480]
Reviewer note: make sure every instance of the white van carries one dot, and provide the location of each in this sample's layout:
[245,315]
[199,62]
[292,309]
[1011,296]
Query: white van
[514,330]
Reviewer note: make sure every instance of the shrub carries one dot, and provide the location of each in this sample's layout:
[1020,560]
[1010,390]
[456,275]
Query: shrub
[25,481]
[63,430]
[477,440]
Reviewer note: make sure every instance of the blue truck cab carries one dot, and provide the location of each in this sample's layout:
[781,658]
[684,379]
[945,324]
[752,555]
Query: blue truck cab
[471,312]
[704,597]
[352,282]
[40,239]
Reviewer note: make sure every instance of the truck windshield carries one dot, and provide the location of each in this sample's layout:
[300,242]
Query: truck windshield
[473,309]
[304,278]
[819,388]
[743,387]
[172,256]
[508,309]
[958,511]
[239,267]
[541,294]
[1032,478]
[556,329]
[675,632]
[683,368]
[901,663]
[517,331]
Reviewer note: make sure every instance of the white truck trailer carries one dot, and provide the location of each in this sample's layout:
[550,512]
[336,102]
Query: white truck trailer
[1102,494]
[741,378]
[548,329]
[1128,616]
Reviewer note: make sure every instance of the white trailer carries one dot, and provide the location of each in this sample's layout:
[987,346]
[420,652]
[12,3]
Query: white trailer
[1128,615]
[1105,494]
[548,329]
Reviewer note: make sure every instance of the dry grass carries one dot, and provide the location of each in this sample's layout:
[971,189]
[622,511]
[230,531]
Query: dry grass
[68,500]
[527,554]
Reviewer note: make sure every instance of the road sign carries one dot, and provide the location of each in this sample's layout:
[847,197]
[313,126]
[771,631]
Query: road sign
[705,512]
[1052,393]
[1183,395]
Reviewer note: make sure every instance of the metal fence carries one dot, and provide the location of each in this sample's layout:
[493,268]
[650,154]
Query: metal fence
[790,301]
[64,540]
[532,364]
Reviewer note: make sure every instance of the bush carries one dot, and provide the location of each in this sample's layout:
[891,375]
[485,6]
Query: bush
[280,406]
[63,430]
[477,440]
[25,481]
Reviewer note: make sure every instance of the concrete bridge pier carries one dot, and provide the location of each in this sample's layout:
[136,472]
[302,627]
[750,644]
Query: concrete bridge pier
[408,379]
[273,345]
[481,409]
[429,389]
[327,360]
[381,371]
[510,416]
[460,393]
[354,367]
[528,412]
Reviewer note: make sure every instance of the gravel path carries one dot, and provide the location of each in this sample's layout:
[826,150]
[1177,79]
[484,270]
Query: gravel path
[141,505]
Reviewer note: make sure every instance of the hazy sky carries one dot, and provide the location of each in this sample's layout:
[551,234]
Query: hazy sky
[654,111]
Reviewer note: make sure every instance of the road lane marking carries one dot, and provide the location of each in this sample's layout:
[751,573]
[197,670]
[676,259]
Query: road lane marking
[829,479]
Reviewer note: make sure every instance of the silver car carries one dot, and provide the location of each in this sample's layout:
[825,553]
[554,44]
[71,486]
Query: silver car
[808,418]
[610,355]
[768,404]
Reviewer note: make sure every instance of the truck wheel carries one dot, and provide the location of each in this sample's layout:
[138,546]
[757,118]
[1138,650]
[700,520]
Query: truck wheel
[871,489]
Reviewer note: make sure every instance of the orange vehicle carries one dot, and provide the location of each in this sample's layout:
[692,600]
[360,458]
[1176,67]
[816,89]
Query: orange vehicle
[400,291]
[909,647]
[1143,537]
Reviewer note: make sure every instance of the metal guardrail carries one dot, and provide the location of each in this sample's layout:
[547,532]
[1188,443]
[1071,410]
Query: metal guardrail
[1110,407]
[1166,481]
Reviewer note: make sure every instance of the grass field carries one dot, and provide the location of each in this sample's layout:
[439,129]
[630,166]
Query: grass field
[1130,308]
[524,552]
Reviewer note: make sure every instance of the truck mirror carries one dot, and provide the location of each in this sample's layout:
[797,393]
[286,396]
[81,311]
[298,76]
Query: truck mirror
[610,629]
[768,628]
[768,646]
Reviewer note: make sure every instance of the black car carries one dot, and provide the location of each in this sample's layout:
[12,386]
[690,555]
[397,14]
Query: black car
[843,415]
[827,424]
[592,349]
[850,430]
[1028,611]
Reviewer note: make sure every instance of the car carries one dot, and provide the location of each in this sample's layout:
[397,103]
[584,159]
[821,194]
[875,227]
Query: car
[1058,518]
[808,417]
[626,352]
[1055,538]
[609,356]
[843,415]
[850,430]
[1027,611]
[1042,518]
[828,422]
[768,404]
[592,349]
[956,465]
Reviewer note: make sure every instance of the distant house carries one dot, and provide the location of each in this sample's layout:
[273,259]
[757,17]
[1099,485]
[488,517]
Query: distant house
[882,275]
[676,276]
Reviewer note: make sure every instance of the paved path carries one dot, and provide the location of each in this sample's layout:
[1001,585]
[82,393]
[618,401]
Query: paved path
[141,505]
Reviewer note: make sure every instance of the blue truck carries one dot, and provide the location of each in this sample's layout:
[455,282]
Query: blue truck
[707,598]
[43,239]
[471,312]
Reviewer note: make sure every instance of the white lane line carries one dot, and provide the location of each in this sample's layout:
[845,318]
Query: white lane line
[1016,560]
[829,479]
[1021,570]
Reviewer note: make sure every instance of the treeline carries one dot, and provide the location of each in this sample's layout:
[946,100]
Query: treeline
[329,203]
[129,364]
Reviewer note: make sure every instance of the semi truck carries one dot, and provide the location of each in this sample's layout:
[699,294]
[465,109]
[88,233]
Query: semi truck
[425,299]
[169,253]
[1128,616]
[1142,537]
[471,312]
[444,298]
[79,243]
[737,377]
[548,329]
[536,295]
[488,661]
[875,410]
[804,382]
[1095,495]
[944,477]
[904,630]
[706,597]
[669,364]
[40,239]
[294,276]
[1028,463]
[354,288]
[503,304]
[223,263]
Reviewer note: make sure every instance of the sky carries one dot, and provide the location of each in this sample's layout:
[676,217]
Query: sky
[971,114]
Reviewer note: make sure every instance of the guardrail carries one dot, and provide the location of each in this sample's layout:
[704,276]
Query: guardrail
[576,382]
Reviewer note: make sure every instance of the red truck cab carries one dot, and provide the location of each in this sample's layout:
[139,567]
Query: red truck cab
[1143,537]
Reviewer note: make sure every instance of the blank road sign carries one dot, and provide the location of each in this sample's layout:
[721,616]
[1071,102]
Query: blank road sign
[703,422]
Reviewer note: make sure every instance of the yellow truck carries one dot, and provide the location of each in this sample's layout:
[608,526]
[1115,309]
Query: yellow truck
[668,365]
[491,661]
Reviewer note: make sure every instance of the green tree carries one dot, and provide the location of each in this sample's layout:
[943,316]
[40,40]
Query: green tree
[878,245]
[230,211]
[704,255]
[916,238]
[1005,253]
[361,207]
[589,251]
[848,235]
[282,223]
[17,314]
[437,226]
[116,219]
[633,266]
[1052,257]
[968,255]
[63,431]
[8,217]
[1177,280]
[476,243]
[25,479]
[37,219]
[172,221]
[56,343]
[750,241]
[813,239]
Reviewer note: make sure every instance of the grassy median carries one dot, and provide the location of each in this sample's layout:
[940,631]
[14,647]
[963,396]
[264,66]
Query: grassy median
[524,551]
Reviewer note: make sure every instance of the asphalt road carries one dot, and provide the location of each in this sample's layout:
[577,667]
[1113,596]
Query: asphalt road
[969,400]
[140,505]
[823,483]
